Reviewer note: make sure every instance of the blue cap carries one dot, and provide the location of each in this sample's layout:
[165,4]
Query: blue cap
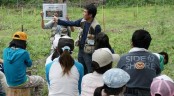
[115,78]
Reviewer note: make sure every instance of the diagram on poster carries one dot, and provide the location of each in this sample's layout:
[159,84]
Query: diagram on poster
[50,10]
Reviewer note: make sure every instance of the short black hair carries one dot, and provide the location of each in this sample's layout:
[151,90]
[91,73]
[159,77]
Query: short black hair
[102,41]
[91,8]
[101,70]
[108,90]
[18,44]
[113,91]
[166,56]
[55,54]
[141,38]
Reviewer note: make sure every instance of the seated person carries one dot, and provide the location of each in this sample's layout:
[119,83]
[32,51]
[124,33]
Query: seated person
[163,57]
[115,81]
[55,54]
[166,57]
[102,60]
[162,86]
[3,84]
[1,65]
[16,60]
[64,74]
[140,64]
[102,41]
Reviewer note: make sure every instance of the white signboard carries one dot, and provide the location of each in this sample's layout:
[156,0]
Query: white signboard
[50,10]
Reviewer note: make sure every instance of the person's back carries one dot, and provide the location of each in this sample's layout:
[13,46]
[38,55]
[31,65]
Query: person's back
[90,82]
[115,81]
[162,86]
[64,74]
[3,84]
[166,57]
[16,60]
[141,65]
[101,61]
[66,85]
[102,41]
[1,65]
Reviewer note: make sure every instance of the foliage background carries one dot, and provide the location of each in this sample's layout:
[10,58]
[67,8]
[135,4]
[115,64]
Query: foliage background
[109,2]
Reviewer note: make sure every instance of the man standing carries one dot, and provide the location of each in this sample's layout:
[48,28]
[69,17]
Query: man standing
[141,65]
[90,29]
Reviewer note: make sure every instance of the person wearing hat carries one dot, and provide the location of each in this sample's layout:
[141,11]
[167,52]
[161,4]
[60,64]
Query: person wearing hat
[16,60]
[64,74]
[115,81]
[55,53]
[102,60]
[140,64]
[162,86]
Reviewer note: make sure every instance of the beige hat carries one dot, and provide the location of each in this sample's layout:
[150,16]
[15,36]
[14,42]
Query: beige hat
[103,57]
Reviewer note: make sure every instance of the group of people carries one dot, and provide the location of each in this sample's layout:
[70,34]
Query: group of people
[137,73]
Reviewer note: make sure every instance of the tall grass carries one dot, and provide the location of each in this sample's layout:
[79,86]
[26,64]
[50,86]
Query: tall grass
[139,2]
[120,22]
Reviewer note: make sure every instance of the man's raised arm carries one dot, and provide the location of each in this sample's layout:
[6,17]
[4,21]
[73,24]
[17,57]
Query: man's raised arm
[67,23]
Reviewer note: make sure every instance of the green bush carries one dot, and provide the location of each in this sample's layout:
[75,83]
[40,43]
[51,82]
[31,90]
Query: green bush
[9,2]
[139,2]
[109,2]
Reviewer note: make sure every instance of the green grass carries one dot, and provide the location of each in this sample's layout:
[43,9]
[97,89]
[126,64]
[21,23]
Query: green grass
[120,23]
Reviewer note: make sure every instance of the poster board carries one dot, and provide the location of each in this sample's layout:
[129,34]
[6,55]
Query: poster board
[50,10]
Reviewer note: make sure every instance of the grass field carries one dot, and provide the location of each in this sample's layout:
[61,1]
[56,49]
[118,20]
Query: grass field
[120,23]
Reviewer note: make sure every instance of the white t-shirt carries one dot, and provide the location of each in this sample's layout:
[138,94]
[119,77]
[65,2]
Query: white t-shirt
[90,82]
[63,85]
